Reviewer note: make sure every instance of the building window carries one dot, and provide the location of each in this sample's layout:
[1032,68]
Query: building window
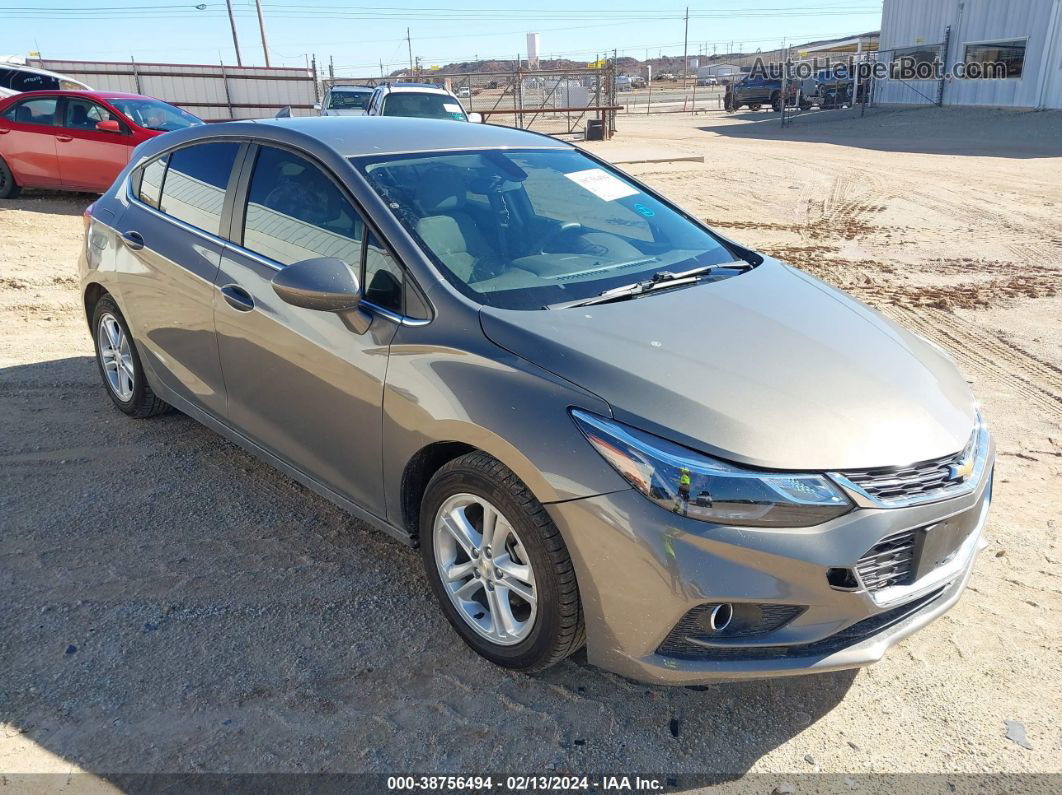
[996,59]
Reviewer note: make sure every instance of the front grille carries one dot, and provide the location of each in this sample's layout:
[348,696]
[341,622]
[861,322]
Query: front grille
[921,481]
[848,636]
[889,562]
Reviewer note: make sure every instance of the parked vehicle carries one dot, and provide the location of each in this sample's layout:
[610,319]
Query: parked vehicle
[666,76]
[463,92]
[345,100]
[755,92]
[624,83]
[637,81]
[707,81]
[16,78]
[76,140]
[417,100]
[598,418]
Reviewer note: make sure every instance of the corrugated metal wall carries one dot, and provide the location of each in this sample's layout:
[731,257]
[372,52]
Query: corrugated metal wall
[908,23]
[210,91]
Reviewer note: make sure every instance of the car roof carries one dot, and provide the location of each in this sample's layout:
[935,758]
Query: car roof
[350,88]
[83,93]
[352,136]
[415,88]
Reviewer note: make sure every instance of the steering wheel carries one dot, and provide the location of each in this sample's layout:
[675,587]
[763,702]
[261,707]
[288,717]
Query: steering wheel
[564,229]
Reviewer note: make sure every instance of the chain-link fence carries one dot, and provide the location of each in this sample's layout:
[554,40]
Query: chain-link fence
[557,102]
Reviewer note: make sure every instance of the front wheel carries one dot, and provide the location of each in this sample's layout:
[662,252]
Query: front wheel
[498,565]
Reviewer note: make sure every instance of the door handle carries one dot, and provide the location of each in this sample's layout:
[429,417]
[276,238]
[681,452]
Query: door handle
[133,239]
[64,138]
[238,298]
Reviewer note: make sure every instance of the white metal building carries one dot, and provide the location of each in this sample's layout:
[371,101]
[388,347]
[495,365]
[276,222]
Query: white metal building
[1026,35]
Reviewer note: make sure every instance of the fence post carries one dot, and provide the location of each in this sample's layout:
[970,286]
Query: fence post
[944,58]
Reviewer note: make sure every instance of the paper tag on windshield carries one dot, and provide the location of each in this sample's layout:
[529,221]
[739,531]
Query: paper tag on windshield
[449,107]
[602,184]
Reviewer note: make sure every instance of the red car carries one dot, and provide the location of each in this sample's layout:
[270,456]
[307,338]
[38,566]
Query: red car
[76,140]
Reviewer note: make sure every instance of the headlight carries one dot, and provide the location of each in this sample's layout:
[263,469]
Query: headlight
[708,489]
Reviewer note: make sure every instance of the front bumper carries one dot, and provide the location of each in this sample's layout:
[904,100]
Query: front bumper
[641,570]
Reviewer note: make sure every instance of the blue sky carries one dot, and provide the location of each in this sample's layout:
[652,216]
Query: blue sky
[359,34]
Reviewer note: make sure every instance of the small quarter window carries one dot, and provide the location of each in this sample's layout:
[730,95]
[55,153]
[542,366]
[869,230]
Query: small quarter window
[383,276]
[194,189]
[151,177]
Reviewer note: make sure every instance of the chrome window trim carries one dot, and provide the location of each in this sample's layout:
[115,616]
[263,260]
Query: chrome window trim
[394,317]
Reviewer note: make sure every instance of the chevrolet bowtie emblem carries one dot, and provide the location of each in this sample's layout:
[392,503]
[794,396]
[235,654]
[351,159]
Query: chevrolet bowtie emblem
[961,470]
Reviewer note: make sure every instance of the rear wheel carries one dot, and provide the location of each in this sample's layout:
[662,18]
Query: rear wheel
[729,105]
[119,363]
[776,102]
[9,189]
[498,565]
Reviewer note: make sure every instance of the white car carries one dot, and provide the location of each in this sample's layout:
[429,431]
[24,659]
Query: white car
[418,100]
[345,101]
[16,77]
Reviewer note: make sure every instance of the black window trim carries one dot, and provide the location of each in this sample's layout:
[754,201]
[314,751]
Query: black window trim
[237,199]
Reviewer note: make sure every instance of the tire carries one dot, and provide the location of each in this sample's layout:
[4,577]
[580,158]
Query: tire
[124,381]
[534,637]
[728,104]
[776,102]
[9,189]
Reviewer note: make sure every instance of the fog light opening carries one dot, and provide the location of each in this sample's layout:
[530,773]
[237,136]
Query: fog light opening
[842,579]
[720,616]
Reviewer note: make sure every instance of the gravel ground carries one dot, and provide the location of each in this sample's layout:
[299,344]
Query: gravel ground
[171,604]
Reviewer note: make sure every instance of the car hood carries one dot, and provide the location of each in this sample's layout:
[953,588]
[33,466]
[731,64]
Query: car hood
[770,368]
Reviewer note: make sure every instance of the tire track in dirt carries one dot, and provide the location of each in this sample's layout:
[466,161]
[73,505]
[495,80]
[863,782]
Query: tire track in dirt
[985,353]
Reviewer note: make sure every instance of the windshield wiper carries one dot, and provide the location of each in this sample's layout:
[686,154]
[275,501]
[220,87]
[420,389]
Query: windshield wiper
[661,280]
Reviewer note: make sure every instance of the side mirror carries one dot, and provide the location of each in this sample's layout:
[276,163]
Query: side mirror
[475,118]
[109,125]
[326,284]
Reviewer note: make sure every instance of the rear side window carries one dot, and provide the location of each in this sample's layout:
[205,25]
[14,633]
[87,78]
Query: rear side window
[31,81]
[33,111]
[295,212]
[151,181]
[194,188]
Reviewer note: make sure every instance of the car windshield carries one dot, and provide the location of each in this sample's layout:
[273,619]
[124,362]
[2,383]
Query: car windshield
[348,100]
[423,105]
[529,229]
[153,114]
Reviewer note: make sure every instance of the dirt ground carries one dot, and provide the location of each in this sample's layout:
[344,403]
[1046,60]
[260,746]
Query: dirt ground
[170,604]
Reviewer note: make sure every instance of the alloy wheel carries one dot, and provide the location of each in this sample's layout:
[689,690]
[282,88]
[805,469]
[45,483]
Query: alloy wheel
[485,569]
[116,357]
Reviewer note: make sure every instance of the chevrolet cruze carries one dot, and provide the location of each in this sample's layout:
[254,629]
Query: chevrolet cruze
[602,422]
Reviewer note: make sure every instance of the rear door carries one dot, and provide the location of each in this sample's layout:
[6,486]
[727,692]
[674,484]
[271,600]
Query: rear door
[90,159]
[303,384]
[27,141]
[170,255]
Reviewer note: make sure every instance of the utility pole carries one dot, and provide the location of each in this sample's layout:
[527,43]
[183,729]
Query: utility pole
[235,40]
[409,44]
[261,28]
[331,68]
[686,50]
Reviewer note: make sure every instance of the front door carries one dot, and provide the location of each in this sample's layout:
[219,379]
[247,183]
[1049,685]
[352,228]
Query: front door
[301,383]
[27,142]
[89,159]
[167,262]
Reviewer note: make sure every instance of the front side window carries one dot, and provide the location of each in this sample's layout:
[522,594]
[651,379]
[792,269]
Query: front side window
[423,106]
[84,114]
[33,111]
[348,100]
[195,183]
[527,229]
[295,212]
[153,114]
[1000,59]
